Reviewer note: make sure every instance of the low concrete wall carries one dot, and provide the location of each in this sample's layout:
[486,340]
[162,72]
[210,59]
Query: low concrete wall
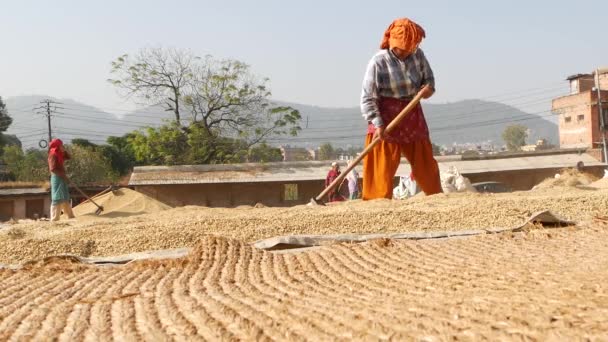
[273,193]
[231,194]
[19,205]
[525,179]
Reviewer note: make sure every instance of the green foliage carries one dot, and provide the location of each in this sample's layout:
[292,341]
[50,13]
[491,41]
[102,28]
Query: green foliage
[83,143]
[515,137]
[120,153]
[88,165]
[9,140]
[5,119]
[264,153]
[165,145]
[326,152]
[30,166]
[230,108]
[5,122]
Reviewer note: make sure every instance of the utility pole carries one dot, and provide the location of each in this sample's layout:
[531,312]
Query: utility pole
[46,110]
[598,72]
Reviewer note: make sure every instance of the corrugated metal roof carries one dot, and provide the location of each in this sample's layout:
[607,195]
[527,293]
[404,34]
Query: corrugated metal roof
[303,171]
[23,191]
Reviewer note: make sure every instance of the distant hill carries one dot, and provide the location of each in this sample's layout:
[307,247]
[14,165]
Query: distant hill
[473,121]
[72,120]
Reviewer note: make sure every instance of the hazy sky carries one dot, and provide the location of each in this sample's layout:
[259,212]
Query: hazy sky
[314,52]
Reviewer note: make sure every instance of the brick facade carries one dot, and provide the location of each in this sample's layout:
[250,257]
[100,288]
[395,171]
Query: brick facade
[579,123]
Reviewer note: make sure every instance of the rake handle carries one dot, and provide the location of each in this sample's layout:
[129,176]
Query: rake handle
[404,112]
[85,195]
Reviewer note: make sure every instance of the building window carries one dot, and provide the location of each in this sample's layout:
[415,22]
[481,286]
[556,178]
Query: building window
[568,119]
[581,117]
[291,192]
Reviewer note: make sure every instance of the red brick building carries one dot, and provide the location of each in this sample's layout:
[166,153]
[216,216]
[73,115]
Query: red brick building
[579,122]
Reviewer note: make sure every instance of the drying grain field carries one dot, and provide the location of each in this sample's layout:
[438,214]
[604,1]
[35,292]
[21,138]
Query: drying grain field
[135,223]
[533,286]
[539,284]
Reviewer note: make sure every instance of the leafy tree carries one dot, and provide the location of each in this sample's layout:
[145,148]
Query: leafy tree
[165,145]
[326,152]
[205,148]
[5,122]
[263,153]
[120,153]
[5,118]
[226,99]
[9,140]
[228,105]
[30,166]
[88,165]
[156,76]
[83,143]
[515,137]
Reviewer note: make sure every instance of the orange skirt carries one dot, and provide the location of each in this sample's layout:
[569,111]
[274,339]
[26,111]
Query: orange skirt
[382,162]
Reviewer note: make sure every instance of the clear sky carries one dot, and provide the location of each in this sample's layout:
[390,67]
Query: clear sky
[314,52]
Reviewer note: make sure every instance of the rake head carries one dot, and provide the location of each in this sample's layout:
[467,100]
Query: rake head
[314,202]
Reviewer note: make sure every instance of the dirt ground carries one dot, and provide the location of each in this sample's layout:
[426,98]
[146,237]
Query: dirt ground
[122,231]
[533,286]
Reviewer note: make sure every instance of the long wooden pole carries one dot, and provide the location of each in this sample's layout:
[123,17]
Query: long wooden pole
[413,103]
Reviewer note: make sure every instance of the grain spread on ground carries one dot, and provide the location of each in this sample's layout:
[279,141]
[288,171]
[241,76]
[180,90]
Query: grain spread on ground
[120,203]
[535,286]
[182,227]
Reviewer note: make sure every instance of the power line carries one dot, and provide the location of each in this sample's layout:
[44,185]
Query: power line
[46,110]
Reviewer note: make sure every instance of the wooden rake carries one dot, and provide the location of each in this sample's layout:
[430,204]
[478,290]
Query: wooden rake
[415,101]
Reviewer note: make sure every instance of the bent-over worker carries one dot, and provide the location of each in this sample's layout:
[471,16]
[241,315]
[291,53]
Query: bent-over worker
[393,77]
[60,193]
[334,172]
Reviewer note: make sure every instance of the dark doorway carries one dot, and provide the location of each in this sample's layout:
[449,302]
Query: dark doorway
[34,208]
[6,210]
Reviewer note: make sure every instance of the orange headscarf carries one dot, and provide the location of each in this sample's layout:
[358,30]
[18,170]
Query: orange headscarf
[404,34]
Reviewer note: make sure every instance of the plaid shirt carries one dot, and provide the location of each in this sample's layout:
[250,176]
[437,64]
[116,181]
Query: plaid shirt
[389,76]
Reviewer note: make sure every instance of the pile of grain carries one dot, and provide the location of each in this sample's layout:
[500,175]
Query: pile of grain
[121,203]
[567,178]
[496,287]
[181,227]
[600,184]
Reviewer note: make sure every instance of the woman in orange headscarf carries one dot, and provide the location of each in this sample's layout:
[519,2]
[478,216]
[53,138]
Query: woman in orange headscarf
[60,194]
[393,77]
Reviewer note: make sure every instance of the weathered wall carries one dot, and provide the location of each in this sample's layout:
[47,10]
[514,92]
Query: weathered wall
[6,209]
[20,206]
[19,211]
[525,179]
[231,194]
[272,193]
[596,135]
[573,132]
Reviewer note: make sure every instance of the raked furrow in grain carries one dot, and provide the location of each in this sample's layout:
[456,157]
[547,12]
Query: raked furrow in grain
[537,285]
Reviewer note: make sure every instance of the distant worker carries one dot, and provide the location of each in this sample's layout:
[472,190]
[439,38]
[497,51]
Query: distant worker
[333,173]
[353,183]
[60,193]
[393,77]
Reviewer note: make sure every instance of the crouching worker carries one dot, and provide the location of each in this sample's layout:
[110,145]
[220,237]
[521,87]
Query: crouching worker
[60,193]
[393,77]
